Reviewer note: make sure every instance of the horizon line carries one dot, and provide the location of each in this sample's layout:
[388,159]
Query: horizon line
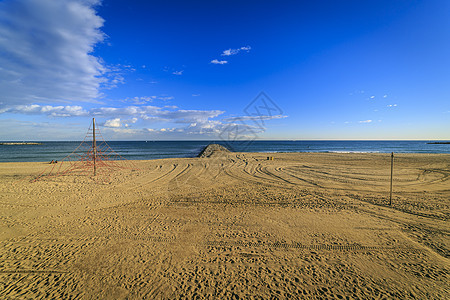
[227,141]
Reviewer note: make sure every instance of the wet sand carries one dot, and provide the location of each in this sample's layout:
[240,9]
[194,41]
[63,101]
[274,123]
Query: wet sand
[234,225]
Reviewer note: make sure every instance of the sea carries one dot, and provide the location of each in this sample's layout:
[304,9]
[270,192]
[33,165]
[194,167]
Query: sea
[147,150]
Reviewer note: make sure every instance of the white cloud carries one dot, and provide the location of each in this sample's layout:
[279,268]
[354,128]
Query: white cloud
[54,111]
[168,121]
[392,105]
[134,122]
[46,52]
[254,118]
[141,100]
[147,99]
[195,95]
[178,72]
[165,98]
[117,122]
[372,97]
[209,128]
[148,112]
[126,131]
[114,75]
[366,121]
[219,62]
[114,123]
[230,51]
[385,96]
[152,119]
[127,123]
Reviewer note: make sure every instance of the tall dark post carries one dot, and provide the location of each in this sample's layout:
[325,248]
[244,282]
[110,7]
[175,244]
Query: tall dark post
[392,171]
[94,147]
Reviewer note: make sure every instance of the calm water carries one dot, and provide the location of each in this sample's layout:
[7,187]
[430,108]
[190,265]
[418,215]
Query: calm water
[165,149]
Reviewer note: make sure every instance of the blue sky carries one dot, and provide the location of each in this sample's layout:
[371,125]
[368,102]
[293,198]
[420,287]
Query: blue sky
[168,70]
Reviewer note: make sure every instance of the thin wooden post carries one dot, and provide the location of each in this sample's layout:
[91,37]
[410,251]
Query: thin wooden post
[392,172]
[94,147]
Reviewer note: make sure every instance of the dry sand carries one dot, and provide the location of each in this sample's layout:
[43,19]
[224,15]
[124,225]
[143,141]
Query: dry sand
[233,225]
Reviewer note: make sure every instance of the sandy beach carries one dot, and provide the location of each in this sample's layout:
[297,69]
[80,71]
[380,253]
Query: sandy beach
[234,225]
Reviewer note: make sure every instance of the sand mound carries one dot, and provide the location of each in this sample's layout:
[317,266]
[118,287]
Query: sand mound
[212,149]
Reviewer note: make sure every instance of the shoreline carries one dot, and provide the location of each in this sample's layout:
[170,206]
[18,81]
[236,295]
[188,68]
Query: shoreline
[346,153]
